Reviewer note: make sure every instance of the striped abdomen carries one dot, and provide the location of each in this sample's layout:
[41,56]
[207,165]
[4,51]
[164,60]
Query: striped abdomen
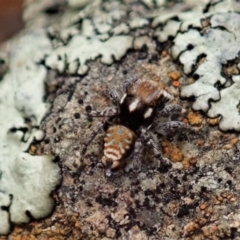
[118,143]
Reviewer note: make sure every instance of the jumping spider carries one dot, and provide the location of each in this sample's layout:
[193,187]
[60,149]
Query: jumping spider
[132,118]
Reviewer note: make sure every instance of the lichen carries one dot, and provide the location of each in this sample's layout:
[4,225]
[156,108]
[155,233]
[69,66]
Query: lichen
[73,57]
[26,181]
[204,45]
[95,31]
[196,198]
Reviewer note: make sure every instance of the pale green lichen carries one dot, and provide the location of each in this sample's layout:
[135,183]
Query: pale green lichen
[78,3]
[26,181]
[212,37]
[97,30]
[73,57]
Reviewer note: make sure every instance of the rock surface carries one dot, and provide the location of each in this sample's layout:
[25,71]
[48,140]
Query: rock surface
[197,197]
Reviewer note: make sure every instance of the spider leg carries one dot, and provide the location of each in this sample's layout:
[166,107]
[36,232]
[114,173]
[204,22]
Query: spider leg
[111,112]
[129,82]
[153,142]
[163,100]
[89,139]
[114,96]
[151,139]
[170,108]
[172,127]
[137,154]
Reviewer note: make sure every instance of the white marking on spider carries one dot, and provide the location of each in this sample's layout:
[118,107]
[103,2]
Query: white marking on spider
[122,150]
[120,145]
[167,95]
[133,105]
[123,98]
[109,143]
[148,113]
[130,135]
[112,154]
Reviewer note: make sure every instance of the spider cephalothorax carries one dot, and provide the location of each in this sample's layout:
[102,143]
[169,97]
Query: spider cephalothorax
[140,102]
[133,116]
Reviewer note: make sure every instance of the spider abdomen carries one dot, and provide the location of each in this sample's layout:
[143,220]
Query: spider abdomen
[118,144]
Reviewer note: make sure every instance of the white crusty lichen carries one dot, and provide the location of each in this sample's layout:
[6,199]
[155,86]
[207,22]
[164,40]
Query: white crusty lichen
[153,3]
[26,181]
[101,29]
[78,3]
[180,18]
[74,56]
[204,45]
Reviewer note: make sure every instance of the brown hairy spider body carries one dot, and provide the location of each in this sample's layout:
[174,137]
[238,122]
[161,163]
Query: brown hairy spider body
[133,117]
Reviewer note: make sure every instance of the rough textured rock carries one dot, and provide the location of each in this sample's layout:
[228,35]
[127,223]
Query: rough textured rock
[195,198]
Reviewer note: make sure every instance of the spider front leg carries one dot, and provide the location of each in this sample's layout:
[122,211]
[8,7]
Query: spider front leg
[114,96]
[129,82]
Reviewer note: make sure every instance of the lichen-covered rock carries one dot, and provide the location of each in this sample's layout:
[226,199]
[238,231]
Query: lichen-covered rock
[73,57]
[26,181]
[99,30]
[197,197]
[206,43]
